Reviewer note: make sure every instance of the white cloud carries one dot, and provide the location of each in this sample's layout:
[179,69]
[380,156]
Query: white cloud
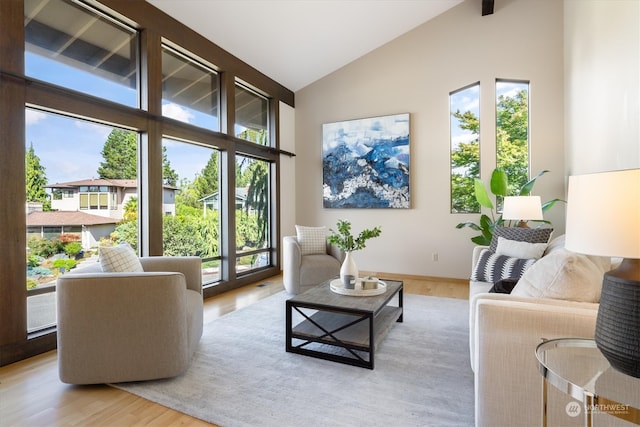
[177,112]
[102,131]
[34,116]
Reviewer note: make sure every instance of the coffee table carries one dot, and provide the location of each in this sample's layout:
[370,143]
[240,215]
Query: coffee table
[341,328]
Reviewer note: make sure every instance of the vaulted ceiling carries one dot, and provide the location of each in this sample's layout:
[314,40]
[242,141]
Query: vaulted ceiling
[297,42]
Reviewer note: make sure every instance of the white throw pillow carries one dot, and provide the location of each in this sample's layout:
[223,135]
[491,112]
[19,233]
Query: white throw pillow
[312,240]
[119,259]
[516,249]
[564,275]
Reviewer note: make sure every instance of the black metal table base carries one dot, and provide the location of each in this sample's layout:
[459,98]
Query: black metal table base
[339,334]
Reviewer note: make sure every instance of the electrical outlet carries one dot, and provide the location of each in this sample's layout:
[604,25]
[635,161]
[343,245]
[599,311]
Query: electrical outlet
[434,256]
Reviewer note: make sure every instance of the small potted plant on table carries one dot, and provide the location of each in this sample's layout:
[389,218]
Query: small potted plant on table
[344,240]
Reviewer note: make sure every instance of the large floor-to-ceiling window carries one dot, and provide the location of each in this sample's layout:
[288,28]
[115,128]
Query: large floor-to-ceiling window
[117,127]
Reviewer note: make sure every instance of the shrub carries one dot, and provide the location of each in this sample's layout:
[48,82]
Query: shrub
[38,271]
[34,260]
[66,264]
[42,247]
[72,248]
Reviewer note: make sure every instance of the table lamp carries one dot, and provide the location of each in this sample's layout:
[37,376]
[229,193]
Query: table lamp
[603,218]
[521,209]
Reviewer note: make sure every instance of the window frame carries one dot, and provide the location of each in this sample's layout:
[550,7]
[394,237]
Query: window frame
[18,92]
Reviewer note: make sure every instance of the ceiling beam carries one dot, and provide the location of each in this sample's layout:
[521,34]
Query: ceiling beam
[487,7]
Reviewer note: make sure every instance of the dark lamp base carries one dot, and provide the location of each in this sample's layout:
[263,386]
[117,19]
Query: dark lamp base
[618,322]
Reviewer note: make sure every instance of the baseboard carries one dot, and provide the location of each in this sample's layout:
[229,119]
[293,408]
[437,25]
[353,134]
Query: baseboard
[398,276]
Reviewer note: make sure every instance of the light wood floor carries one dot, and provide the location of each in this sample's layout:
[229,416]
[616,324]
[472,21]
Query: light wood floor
[32,395]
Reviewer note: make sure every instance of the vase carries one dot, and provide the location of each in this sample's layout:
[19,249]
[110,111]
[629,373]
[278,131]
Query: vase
[348,271]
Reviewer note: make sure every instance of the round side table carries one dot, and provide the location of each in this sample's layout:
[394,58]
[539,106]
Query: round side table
[576,367]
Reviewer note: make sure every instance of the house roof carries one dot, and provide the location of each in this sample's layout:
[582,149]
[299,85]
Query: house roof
[125,183]
[60,218]
[241,193]
[122,183]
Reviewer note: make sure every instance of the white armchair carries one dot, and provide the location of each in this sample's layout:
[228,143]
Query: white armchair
[301,272]
[120,327]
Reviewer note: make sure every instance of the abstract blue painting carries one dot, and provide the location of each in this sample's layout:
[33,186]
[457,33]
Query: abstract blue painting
[365,163]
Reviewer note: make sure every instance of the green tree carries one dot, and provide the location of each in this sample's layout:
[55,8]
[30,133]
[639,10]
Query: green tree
[187,195]
[206,183]
[512,138]
[130,210]
[121,159]
[169,175]
[36,179]
[258,198]
[120,156]
[465,165]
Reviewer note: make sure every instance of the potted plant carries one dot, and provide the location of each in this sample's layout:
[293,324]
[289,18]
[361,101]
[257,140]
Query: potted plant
[499,185]
[344,240]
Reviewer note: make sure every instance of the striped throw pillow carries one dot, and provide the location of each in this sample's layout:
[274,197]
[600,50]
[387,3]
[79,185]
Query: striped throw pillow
[492,267]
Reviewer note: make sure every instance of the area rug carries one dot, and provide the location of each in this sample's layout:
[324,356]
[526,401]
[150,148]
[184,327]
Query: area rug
[241,374]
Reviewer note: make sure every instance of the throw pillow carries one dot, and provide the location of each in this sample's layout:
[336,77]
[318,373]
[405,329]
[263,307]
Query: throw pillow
[564,275]
[530,235]
[516,249]
[119,259]
[492,267]
[312,240]
[504,286]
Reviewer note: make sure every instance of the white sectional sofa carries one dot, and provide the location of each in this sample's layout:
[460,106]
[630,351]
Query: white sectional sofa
[549,301]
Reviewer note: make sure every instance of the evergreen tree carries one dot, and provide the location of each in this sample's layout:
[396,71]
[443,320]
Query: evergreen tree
[121,160]
[36,179]
[207,181]
[120,156]
[258,198]
[169,176]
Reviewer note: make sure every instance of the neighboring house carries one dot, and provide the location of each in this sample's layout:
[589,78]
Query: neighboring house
[90,228]
[103,197]
[89,208]
[212,202]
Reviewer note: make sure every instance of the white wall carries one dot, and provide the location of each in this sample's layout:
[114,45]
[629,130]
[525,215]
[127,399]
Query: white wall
[415,73]
[602,60]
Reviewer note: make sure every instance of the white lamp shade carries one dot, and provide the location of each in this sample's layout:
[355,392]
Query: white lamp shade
[603,214]
[522,208]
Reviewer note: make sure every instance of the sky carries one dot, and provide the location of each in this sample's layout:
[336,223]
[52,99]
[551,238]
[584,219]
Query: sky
[70,149]
[469,100]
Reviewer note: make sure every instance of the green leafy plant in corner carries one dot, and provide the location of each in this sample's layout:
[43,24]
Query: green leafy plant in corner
[498,186]
[344,240]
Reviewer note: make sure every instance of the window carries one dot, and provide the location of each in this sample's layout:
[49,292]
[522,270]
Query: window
[512,131]
[464,107]
[95,197]
[97,150]
[253,234]
[195,227]
[189,90]
[252,116]
[82,64]
[74,46]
